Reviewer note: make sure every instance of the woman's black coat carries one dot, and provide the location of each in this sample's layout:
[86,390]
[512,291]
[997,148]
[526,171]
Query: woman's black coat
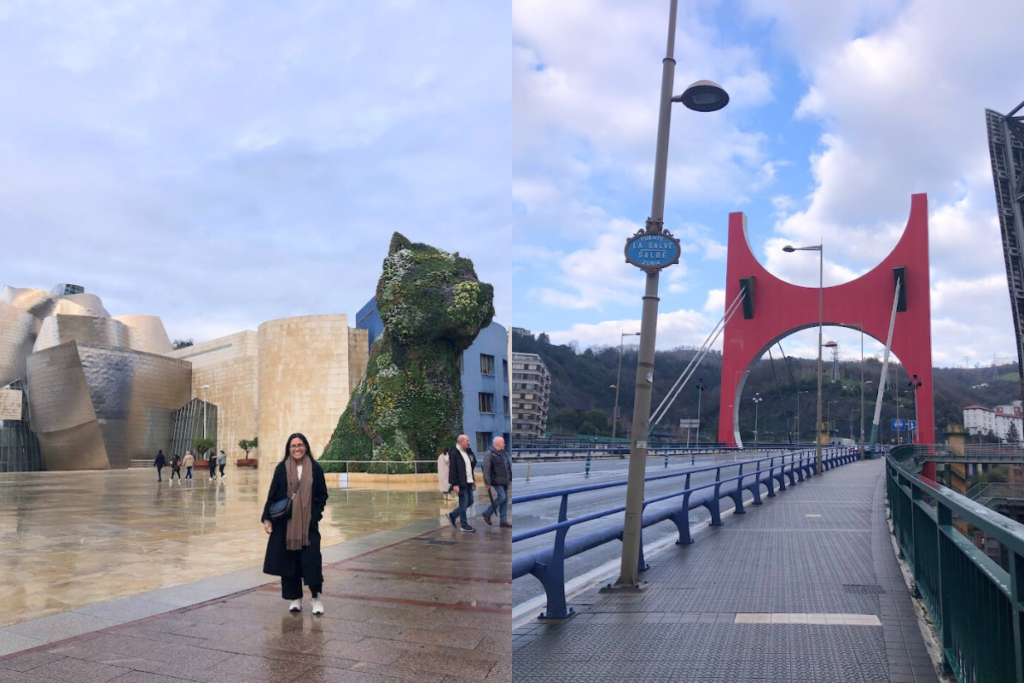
[280,561]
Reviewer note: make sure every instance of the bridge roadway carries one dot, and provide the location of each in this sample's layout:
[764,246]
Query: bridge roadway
[549,476]
[803,588]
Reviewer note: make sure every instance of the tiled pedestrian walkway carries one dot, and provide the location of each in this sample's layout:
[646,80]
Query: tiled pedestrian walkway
[434,606]
[69,540]
[803,588]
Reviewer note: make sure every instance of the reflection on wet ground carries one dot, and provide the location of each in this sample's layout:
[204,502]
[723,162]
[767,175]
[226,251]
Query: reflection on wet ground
[432,608]
[70,539]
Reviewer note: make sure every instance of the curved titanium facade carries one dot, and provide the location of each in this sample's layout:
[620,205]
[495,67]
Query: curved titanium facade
[61,329]
[96,407]
[146,333]
[17,333]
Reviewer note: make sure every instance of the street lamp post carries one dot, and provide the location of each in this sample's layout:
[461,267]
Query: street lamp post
[618,381]
[700,393]
[204,388]
[797,418]
[702,96]
[829,417]
[915,384]
[757,401]
[821,273]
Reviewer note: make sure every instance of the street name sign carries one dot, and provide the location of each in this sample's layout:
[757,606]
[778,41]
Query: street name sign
[652,251]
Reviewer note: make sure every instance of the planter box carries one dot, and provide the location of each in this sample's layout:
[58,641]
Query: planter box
[247,462]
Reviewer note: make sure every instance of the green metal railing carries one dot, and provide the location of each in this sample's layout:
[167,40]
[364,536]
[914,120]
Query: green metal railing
[975,603]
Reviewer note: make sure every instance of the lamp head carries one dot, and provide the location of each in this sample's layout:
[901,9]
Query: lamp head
[789,249]
[704,96]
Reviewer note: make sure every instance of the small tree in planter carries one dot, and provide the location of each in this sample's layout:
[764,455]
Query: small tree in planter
[203,446]
[248,445]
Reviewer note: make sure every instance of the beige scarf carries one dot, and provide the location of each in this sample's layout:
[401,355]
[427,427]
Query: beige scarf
[301,493]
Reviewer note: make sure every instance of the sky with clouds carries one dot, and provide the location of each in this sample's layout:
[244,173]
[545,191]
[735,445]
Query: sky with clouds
[239,162]
[224,163]
[839,112]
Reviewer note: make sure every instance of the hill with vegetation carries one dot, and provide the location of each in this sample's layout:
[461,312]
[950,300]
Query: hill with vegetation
[583,393]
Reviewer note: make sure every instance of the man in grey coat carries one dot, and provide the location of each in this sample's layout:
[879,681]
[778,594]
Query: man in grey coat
[497,468]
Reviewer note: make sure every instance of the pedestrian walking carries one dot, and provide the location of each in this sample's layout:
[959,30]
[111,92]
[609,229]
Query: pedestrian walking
[442,475]
[176,467]
[159,464]
[497,476]
[293,549]
[189,462]
[212,458]
[222,460]
[461,464]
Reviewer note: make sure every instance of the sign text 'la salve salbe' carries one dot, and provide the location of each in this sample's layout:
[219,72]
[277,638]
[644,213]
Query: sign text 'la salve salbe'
[652,251]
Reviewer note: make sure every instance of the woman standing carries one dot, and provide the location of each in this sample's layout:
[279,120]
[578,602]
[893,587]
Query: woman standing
[293,549]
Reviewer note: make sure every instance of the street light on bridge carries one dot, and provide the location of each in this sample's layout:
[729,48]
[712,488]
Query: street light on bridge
[821,271]
[652,250]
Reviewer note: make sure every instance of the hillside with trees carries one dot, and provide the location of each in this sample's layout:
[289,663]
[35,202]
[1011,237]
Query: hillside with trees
[583,393]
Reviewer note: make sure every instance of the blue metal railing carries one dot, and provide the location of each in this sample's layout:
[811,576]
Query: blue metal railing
[577,450]
[548,565]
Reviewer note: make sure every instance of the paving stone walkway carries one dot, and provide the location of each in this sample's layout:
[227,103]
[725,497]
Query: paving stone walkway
[434,607]
[803,588]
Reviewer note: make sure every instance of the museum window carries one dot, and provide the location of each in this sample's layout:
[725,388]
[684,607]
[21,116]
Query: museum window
[504,400]
[486,402]
[486,365]
[483,441]
[504,369]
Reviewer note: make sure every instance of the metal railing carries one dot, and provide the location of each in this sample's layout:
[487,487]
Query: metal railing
[381,466]
[577,450]
[548,565]
[974,602]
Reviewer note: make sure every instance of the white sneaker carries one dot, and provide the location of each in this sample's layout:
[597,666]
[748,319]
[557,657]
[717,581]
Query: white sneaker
[318,606]
[296,606]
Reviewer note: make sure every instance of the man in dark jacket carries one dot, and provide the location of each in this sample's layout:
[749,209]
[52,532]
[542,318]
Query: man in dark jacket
[497,476]
[159,464]
[461,463]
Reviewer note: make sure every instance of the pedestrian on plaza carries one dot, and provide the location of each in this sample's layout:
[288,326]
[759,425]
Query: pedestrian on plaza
[461,464]
[497,476]
[293,549]
[222,460]
[159,464]
[212,457]
[189,462]
[176,467]
[442,474]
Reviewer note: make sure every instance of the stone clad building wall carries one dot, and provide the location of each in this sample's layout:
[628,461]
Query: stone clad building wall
[308,367]
[229,366]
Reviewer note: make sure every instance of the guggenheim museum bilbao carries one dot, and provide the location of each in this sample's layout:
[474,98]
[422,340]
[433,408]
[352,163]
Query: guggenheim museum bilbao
[80,389]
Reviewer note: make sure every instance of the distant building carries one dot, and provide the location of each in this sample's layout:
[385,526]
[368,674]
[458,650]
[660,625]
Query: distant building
[979,420]
[531,394]
[485,379]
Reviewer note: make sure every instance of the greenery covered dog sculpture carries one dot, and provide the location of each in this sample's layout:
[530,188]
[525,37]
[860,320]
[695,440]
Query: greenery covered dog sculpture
[409,404]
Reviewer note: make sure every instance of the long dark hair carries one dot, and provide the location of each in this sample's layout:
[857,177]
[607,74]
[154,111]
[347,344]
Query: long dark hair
[287,453]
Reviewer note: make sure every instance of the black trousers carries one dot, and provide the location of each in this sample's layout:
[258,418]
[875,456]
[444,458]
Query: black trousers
[291,586]
[159,469]
[221,470]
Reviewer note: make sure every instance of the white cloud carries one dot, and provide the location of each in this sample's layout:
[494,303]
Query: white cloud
[676,328]
[899,88]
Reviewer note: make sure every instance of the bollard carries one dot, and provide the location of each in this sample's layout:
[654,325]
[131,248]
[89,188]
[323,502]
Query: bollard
[693,457]
[528,471]
[587,472]
[666,459]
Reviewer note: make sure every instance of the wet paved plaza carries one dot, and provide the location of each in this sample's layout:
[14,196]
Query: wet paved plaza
[433,607]
[73,539]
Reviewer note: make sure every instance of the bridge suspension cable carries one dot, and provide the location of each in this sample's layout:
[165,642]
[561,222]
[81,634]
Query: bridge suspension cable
[694,363]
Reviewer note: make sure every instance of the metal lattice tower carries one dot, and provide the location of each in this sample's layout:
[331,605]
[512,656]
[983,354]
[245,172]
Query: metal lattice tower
[1006,147]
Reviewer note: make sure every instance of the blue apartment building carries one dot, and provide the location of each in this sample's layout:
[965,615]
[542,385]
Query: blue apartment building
[486,411]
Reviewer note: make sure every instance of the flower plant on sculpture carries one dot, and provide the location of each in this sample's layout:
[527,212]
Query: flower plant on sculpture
[409,404]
